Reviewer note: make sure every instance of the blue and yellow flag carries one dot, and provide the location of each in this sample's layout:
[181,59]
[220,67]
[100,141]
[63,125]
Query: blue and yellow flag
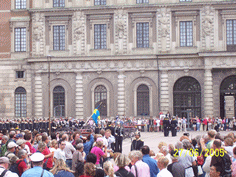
[96,116]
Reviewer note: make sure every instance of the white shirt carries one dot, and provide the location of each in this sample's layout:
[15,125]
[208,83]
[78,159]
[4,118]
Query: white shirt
[164,173]
[8,174]
[60,154]
[69,150]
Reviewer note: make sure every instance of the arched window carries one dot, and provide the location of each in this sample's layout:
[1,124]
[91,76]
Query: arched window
[59,101]
[228,97]
[143,100]
[20,102]
[187,97]
[100,97]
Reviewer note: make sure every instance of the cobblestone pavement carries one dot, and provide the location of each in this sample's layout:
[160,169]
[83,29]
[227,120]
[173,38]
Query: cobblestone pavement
[152,139]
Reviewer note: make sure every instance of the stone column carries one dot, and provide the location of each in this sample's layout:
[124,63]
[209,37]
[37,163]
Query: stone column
[121,94]
[38,99]
[164,92]
[79,104]
[208,93]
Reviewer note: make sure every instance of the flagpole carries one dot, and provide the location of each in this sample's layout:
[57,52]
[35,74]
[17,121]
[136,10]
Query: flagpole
[92,113]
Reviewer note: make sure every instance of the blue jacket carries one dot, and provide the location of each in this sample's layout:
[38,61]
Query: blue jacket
[88,145]
[152,163]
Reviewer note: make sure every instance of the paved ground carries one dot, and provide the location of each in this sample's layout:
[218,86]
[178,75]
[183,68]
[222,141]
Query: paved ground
[152,139]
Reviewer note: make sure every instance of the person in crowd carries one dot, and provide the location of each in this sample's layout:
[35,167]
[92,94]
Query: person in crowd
[37,170]
[4,165]
[69,150]
[176,168]
[215,171]
[93,159]
[89,170]
[60,169]
[165,151]
[108,169]
[89,140]
[162,165]
[53,146]
[108,140]
[97,150]
[11,149]
[211,136]
[184,123]
[4,145]
[229,142]
[150,161]
[76,136]
[222,160]
[173,125]
[166,126]
[60,153]
[139,168]
[119,137]
[137,143]
[21,162]
[122,161]
[78,156]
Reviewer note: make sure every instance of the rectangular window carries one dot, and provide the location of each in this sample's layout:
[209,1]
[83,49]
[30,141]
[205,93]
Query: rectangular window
[59,37]
[185,0]
[142,30]
[186,33]
[20,74]
[99,2]
[231,32]
[58,3]
[20,4]
[100,36]
[141,1]
[20,39]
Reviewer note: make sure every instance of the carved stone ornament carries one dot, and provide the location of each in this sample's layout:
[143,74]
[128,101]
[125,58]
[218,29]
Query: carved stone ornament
[207,21]
[120,24]
[37,32]
[78,32]
[78,25]
[164,22]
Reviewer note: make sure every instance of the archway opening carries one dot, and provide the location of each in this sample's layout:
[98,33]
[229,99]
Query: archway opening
[143,100]
[227,97]
[59,101]
[100,99]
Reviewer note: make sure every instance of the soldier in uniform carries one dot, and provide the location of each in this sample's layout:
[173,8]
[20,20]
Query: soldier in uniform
[174,124]
[8,125]
[137,143]
[119,137]
[166,125]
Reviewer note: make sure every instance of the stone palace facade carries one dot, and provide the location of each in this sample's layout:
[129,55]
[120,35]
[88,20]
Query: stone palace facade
[131,57]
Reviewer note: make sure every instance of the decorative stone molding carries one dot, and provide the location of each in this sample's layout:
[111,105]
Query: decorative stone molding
[208,93]
[79,33]
[207,28]
[181,63]
[121,33]
[38,96]
[79,96]
[121,94]
[99,65]
[164,92]
[163,16]
[38,31]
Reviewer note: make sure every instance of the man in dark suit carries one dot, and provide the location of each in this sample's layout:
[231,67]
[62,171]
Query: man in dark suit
[119,137]
[166,125]
[174,124]
[137,143]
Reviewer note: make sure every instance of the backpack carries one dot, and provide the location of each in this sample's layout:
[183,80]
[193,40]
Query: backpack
[226,166]
[79,167]
[14,167]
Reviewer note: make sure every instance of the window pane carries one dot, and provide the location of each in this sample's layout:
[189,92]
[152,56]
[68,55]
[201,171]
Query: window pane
[186,33]
[100,36]
[100,98]
[59,37]
[59,101]
[20,39]
[20,102]
[142,35]
[58,3]
[143,100]
[99,2]
[231,32]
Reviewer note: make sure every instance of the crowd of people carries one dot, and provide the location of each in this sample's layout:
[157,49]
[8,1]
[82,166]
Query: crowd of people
[29,153]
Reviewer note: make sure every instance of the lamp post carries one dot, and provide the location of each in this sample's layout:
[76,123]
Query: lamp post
[49,102]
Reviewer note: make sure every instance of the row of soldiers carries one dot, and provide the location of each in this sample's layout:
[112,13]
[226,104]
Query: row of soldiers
[39,124]
[170,124]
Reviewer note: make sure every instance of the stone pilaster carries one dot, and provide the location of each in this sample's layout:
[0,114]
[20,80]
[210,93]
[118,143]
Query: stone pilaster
[208,93]
[38,99]
[164,92]
[79,96]
[121,94]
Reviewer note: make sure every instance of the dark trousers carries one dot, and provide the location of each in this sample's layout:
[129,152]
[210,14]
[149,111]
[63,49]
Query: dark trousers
[173,131]
[166,132]
[119,145]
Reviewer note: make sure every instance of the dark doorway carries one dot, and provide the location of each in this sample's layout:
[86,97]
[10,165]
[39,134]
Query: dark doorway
[187,97]
[143,100]
[227,89]
[100,98]
[59,101]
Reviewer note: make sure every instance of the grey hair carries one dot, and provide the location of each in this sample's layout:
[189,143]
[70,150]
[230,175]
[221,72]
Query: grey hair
[41,145]
[164,149]
[5,137]
[136,154]
[186,144]
[79,146]
[179,145]
[21,153]
[122,160]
